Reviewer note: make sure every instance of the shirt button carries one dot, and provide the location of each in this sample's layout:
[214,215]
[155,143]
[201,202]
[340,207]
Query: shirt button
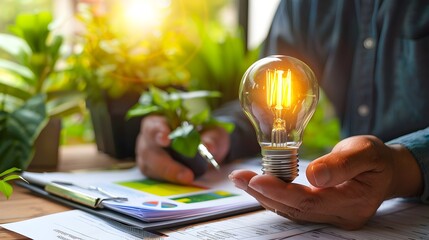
[368,43]
[363,110]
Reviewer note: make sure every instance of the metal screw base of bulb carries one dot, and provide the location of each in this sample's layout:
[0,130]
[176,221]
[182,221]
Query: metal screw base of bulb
[280,162]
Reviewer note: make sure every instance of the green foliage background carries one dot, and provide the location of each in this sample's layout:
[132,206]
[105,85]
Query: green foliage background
[319,137]
[10,8]
[322,132]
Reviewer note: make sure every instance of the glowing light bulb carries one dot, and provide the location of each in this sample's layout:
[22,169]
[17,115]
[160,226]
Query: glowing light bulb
[279,95]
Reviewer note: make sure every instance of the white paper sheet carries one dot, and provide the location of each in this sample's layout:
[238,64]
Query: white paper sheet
[255,226]
[395,219]
[76,225]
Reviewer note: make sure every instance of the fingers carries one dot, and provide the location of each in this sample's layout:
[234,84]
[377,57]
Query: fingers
[152,159]
[155,131]
[217,142]
[271,189]
[241,178]
[250,182]
[157,164]
[304,204]
[352,181]
[348,159]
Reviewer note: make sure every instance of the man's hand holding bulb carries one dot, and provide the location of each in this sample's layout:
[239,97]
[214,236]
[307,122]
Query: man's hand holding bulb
[349,184]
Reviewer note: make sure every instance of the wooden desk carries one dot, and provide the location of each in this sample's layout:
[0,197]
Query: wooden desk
[25,205]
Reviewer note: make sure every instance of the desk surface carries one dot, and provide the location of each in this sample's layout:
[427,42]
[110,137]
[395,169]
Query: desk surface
[25,205]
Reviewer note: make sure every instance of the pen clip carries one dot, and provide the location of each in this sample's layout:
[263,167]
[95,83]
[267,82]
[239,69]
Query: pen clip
[206,154]
[96,189]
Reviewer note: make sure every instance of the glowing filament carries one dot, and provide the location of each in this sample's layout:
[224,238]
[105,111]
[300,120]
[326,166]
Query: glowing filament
[279,89]
[279,98]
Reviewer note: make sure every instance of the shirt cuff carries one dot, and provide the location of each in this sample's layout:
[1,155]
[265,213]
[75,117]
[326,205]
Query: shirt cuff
[418,144]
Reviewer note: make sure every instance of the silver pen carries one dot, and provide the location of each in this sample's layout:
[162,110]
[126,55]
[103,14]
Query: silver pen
[94,188]
[206,154]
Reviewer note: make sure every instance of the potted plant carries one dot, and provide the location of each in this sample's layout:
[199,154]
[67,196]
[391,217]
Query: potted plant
[33,91]
[120,60]
[186,116]
[116,65]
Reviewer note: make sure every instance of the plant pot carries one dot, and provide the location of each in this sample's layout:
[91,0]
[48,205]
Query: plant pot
[46,147]
[114,135]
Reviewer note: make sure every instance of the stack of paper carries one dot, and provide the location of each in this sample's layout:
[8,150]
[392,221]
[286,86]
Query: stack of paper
[129,192]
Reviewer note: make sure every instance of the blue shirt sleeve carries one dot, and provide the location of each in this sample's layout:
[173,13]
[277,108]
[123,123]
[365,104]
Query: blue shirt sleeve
[418,144]
[371,61]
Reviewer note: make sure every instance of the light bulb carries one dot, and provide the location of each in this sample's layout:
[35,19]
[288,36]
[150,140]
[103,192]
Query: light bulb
[279,95]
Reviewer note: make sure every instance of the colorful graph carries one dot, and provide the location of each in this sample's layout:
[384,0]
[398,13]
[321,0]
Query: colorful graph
[204,197]
[159,204]
[160,188]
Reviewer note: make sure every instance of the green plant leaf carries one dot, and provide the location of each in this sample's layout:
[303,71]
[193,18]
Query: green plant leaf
[36,52]
[183,130]
[159,97]
[18,131]
[194,94]
[11,170]
[14,91]
[142,111]
[176,106]
[18,69]
[64,102]
[200,118]
[54,49]
[185,140]
[13,45]
[64,95]
[145,98]
[12,177]
[6,189]
[33,28]
[63,109]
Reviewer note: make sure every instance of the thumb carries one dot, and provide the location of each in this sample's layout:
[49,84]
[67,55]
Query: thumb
[217,142]
[338,167]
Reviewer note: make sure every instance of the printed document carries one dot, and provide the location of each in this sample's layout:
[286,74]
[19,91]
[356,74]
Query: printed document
[395,219]
[76,224]
[148,199]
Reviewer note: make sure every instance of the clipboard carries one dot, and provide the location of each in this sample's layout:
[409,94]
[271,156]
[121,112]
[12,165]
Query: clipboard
[127,220]
[92,207]
[77,194]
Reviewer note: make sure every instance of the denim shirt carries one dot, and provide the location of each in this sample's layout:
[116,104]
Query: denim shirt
[371,58]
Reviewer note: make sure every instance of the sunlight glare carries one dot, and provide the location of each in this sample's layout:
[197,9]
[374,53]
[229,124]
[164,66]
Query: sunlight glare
[145,14]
